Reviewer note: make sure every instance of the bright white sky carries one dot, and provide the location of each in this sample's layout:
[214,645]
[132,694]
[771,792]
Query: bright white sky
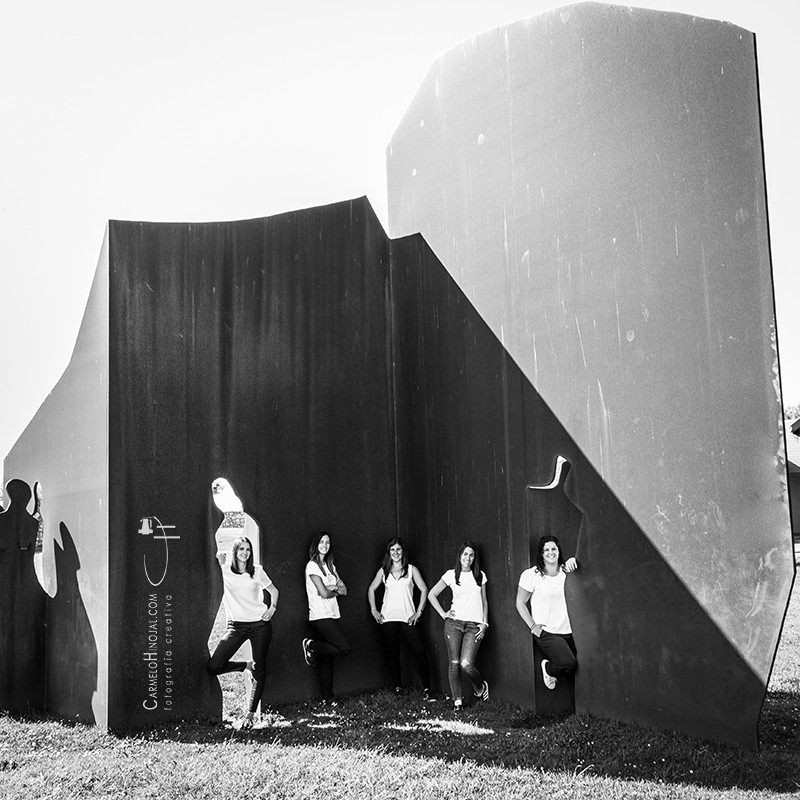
[209,110]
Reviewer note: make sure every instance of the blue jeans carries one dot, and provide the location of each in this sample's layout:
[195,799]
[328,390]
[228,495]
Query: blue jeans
[237,633]
[462,647]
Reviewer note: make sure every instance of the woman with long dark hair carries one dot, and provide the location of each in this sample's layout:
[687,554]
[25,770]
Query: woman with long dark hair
[542,586]
[323,589]
[248,619]
[399,614]
[465,622]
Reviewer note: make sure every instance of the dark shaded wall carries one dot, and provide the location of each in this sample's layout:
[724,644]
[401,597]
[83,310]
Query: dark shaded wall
[256,351]
[473,434]
[592,179]
[65,449]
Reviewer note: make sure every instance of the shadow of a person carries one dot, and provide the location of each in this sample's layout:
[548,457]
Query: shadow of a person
[22,606]
[72,672]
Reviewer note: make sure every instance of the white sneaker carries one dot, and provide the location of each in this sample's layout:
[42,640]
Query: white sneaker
[549,680]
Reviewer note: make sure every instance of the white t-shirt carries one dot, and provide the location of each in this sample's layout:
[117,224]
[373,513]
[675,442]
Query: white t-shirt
[321,607]
[398,597]
[243,596]
[467,600]
[548,603]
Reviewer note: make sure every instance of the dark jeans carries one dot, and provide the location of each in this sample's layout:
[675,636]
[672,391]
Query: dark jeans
[392,633]
[333,644]
[260,634]
[559,650]
[462,647]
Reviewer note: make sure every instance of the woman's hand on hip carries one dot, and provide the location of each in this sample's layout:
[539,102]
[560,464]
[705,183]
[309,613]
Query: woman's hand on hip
[536,630]
[482,628]
[269,614]
[412,620]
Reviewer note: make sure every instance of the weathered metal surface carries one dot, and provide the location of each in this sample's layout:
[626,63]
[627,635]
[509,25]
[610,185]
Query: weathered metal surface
[64,449]
[473,434]
[255,351]
[592,178]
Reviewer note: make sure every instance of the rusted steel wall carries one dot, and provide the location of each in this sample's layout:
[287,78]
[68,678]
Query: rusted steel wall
[473,434]
[256,351]
[592,179]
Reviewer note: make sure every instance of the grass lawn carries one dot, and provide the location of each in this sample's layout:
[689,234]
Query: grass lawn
[383,746]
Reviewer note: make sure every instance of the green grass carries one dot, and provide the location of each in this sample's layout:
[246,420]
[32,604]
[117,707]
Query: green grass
[383,746]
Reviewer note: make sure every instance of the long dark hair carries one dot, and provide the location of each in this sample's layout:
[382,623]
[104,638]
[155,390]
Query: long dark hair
[476,564]
[540,553]
[387,559]
[248,567]
[313,552]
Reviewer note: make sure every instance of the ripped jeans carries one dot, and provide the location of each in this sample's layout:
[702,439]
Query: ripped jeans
[462,647]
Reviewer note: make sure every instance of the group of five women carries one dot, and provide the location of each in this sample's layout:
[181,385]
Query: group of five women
[540,603]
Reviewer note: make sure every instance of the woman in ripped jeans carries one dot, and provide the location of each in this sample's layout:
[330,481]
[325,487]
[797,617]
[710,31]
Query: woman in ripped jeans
[465,623]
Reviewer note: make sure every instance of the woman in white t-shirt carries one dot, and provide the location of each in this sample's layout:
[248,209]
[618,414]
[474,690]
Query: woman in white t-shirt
[248,619]
[323,588]
[547,619]
[399,615]
[466,621]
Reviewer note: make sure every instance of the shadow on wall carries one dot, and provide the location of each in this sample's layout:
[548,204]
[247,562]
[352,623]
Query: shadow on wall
[473,433]
[22,606]
[72,668]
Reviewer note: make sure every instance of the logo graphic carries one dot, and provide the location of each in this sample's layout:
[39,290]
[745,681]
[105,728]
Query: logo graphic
[151,526]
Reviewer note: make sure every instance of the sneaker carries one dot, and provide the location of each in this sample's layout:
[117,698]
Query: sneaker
[458,705]
[427,697]
[484,692]
[247,722]
[549,680]
[308,653]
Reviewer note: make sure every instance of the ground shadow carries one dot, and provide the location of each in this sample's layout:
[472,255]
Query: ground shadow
[502,735]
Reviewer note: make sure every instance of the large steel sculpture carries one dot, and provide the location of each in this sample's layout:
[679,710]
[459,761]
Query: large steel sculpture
[592,178]
[592,291]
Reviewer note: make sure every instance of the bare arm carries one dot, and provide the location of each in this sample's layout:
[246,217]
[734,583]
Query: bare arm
[423,595]
[433,599]
[523,598]
[273,592]
[322,589]
[376,582]
[485,624]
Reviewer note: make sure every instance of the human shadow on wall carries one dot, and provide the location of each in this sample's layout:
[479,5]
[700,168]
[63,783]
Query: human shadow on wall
[22,606]
[72,667]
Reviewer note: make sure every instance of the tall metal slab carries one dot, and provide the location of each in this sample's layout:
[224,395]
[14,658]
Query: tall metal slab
[473,435]
[592,178]
[65,450]
[255,351]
